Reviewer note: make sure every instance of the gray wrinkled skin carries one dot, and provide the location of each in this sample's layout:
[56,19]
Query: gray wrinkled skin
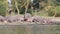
[41,20]
[29,18]
[10,19]
[19,18]
[2,19]
[27,15]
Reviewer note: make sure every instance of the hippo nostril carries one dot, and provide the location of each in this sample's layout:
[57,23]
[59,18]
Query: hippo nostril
[25,19]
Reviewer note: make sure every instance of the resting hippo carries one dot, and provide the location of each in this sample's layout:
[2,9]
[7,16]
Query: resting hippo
[19,18]
[2,19]
[10,19]
[27,15]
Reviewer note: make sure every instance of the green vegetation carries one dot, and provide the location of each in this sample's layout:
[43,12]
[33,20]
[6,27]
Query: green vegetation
[2,8]
[22,7]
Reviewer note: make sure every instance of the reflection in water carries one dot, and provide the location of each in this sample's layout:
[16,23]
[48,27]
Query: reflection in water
[30,29]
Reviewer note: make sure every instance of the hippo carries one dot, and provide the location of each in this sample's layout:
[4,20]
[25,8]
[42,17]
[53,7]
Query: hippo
[2,19]
[30,19]
[10,19]
[27,15]
[19,18]
[37,19]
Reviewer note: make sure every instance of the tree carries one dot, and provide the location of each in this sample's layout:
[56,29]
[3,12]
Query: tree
[17,6]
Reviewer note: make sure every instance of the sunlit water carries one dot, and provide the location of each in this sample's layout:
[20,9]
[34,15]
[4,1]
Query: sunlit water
[30,29]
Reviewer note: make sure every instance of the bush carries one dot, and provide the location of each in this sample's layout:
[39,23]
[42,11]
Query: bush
[2,10]
[22,10]
[58,11]
[51,12]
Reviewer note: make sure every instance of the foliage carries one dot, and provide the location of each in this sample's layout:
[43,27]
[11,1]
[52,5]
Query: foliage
[51,11]
[22,6]
[2,8]
[57,2]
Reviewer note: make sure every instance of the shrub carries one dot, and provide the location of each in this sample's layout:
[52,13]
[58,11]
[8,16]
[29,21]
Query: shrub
[2,10]
[51,12]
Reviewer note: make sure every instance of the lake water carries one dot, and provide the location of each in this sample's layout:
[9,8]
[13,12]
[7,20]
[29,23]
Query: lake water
[29,29]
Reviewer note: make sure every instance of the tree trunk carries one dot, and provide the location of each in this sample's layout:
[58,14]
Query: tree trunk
[17,7]
[26,7]
[54,11]
[6,4]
